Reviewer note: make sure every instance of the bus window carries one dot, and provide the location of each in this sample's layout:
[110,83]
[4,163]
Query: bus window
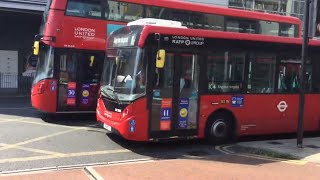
[241,26]
[124,12]
[214,22]
[190,19]
[225,72]
[164,78]
[261,73]
[289,74]
[288,30]
[45,64]
[109,68]
[269,28]
[85,8]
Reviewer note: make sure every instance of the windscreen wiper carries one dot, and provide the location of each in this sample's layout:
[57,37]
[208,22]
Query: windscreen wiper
[115,93]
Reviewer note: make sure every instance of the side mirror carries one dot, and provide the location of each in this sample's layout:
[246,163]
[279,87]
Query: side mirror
[161,58]
[36,47]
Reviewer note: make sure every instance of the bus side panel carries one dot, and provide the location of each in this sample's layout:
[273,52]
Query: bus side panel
[255,114]
[141,116]
[269,114]
[312,112]
[44,95]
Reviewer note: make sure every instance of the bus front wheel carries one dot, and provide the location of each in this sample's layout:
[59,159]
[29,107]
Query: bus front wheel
[219,128]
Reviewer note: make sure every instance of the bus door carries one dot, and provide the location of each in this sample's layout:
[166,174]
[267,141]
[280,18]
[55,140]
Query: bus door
[79,76]
[175,97]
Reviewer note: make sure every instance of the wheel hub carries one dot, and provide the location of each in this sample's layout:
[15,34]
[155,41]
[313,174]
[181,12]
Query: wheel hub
[219,129]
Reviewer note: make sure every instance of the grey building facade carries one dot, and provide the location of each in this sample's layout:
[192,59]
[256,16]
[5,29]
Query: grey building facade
[20,21]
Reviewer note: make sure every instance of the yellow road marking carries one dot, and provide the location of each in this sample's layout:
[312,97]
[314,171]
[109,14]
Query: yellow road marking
[31,149]
[11,120]
[4,121]
[55,125]
[37,139]
[44,124]
[55,156]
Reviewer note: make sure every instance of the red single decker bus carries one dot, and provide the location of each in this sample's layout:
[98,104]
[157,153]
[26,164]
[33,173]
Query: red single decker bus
[164,81]
[72,41]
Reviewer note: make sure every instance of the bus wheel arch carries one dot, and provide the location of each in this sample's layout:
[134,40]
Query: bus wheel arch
[220,126]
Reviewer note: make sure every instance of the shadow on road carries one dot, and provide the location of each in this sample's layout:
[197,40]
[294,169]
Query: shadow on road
[17,106]
[74,120]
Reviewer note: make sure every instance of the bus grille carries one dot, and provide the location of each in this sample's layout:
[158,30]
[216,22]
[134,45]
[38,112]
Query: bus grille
[114,106]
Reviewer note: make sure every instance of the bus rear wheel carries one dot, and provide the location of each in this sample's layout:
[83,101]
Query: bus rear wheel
[219,128]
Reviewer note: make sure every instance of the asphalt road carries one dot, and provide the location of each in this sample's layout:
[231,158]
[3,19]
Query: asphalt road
[29,140]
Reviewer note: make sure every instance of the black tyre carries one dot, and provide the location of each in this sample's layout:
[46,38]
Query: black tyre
[219,128]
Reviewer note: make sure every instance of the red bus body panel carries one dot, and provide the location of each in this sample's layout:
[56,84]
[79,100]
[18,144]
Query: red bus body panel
[260,113]
[68,31]
[312,112]
[44,95]
[64,29]
[136,111]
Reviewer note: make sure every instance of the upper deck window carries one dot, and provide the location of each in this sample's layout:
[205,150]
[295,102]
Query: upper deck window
[288,30]
[84,8]
[127,12]
[124,12]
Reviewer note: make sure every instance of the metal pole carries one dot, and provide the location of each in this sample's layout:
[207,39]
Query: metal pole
[304,56]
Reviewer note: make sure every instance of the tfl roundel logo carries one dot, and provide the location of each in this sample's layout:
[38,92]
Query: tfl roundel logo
[282,106]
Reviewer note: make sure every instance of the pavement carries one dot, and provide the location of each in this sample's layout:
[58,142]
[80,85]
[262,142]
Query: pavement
[310,151]
[184,168]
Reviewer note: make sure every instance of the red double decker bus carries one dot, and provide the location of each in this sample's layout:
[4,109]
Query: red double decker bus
[71,45]
[169,81]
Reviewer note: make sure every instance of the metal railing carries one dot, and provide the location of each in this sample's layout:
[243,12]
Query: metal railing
[15,84]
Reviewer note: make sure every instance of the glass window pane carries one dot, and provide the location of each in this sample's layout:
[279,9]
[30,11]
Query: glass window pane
[269,28]
[187,18]
[288,30]
[261,73]
[154,12]
[225,72]
[242,26]
[44,64]
[215,22]
[124,12]
[90,9]
[288,80]
[164,79]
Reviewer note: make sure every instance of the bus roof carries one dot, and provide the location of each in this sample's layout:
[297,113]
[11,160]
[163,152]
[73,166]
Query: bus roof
[149,29]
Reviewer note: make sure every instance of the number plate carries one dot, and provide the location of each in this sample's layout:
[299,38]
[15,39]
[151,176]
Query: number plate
[107,127]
